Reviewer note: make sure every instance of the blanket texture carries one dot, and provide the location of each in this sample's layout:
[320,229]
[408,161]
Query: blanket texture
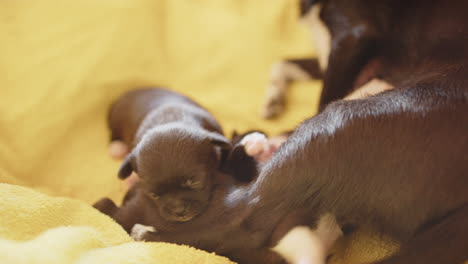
[63,63]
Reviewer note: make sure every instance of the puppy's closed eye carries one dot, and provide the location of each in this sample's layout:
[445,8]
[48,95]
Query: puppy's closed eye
[192,184]
[153,196]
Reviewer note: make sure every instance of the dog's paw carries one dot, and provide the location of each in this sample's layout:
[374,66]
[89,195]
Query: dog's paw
[139,231]
[258,146]
[275,100]
[301,245]
[273,145]
[132,180]
[118,150]
[254,143]
[105,206]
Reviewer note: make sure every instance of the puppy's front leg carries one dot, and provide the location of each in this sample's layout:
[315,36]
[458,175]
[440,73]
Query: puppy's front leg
[142,233]
[261,148]
[106,206]
[281,76]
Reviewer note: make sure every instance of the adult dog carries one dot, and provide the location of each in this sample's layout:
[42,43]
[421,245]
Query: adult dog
[396,162]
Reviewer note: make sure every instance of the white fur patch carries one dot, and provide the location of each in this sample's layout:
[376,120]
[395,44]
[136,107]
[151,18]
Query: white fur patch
[320,35]
[328,230]
[139,231]
[303,245]
[370,88]
[118,149]
[254,143]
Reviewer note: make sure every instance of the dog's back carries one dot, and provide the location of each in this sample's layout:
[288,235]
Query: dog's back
[132,109]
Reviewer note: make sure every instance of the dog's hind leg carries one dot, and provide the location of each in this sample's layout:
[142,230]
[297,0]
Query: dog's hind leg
[445,242]
[303,245]
[281,76]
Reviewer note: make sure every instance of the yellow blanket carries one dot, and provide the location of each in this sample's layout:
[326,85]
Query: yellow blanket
[64,61]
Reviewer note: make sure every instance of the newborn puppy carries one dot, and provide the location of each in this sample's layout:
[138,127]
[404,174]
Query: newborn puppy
[239,168]
[175,148]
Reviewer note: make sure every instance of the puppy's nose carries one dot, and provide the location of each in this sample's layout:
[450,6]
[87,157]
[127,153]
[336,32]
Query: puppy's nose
[179,207]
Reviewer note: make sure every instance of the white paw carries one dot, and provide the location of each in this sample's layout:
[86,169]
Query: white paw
[118,150]
[132,180]
[301,245]
[138,231]
[254,143]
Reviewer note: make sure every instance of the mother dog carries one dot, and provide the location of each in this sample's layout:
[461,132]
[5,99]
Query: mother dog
[396,162]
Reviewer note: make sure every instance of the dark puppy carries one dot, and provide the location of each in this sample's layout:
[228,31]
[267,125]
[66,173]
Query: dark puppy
[395,162]
[176,148]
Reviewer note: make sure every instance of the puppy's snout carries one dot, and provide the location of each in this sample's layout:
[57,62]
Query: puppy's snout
[179,207]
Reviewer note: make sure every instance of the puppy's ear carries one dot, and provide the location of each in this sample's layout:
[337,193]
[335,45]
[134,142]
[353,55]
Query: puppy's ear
[219,141]
[127,167]
[222,146]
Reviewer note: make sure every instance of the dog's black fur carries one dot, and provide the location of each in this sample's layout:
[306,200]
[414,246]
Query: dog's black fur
[396,162]
[411,186]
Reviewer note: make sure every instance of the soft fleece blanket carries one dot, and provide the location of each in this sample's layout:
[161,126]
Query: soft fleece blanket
[62,64]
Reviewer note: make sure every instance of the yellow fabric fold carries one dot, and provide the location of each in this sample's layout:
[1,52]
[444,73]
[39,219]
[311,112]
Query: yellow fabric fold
[36,228]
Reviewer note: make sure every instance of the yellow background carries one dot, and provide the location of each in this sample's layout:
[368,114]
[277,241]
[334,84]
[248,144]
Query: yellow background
[63,62]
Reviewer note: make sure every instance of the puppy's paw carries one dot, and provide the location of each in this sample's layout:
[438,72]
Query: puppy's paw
[258,146]
[105,206]
[275,100]
[274,103]
[118,150]
[139,231]
[272,146]
[132,180]
[254,143]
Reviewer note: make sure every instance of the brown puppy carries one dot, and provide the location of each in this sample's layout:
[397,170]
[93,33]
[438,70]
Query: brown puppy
[176,148]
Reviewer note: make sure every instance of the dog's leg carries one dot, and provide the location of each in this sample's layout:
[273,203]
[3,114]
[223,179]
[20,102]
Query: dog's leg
[302,245]
[282,74]
[139,232]
[344,65]
[254,143]
[106,206]
[445,242]
[261,148]
[341,57]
